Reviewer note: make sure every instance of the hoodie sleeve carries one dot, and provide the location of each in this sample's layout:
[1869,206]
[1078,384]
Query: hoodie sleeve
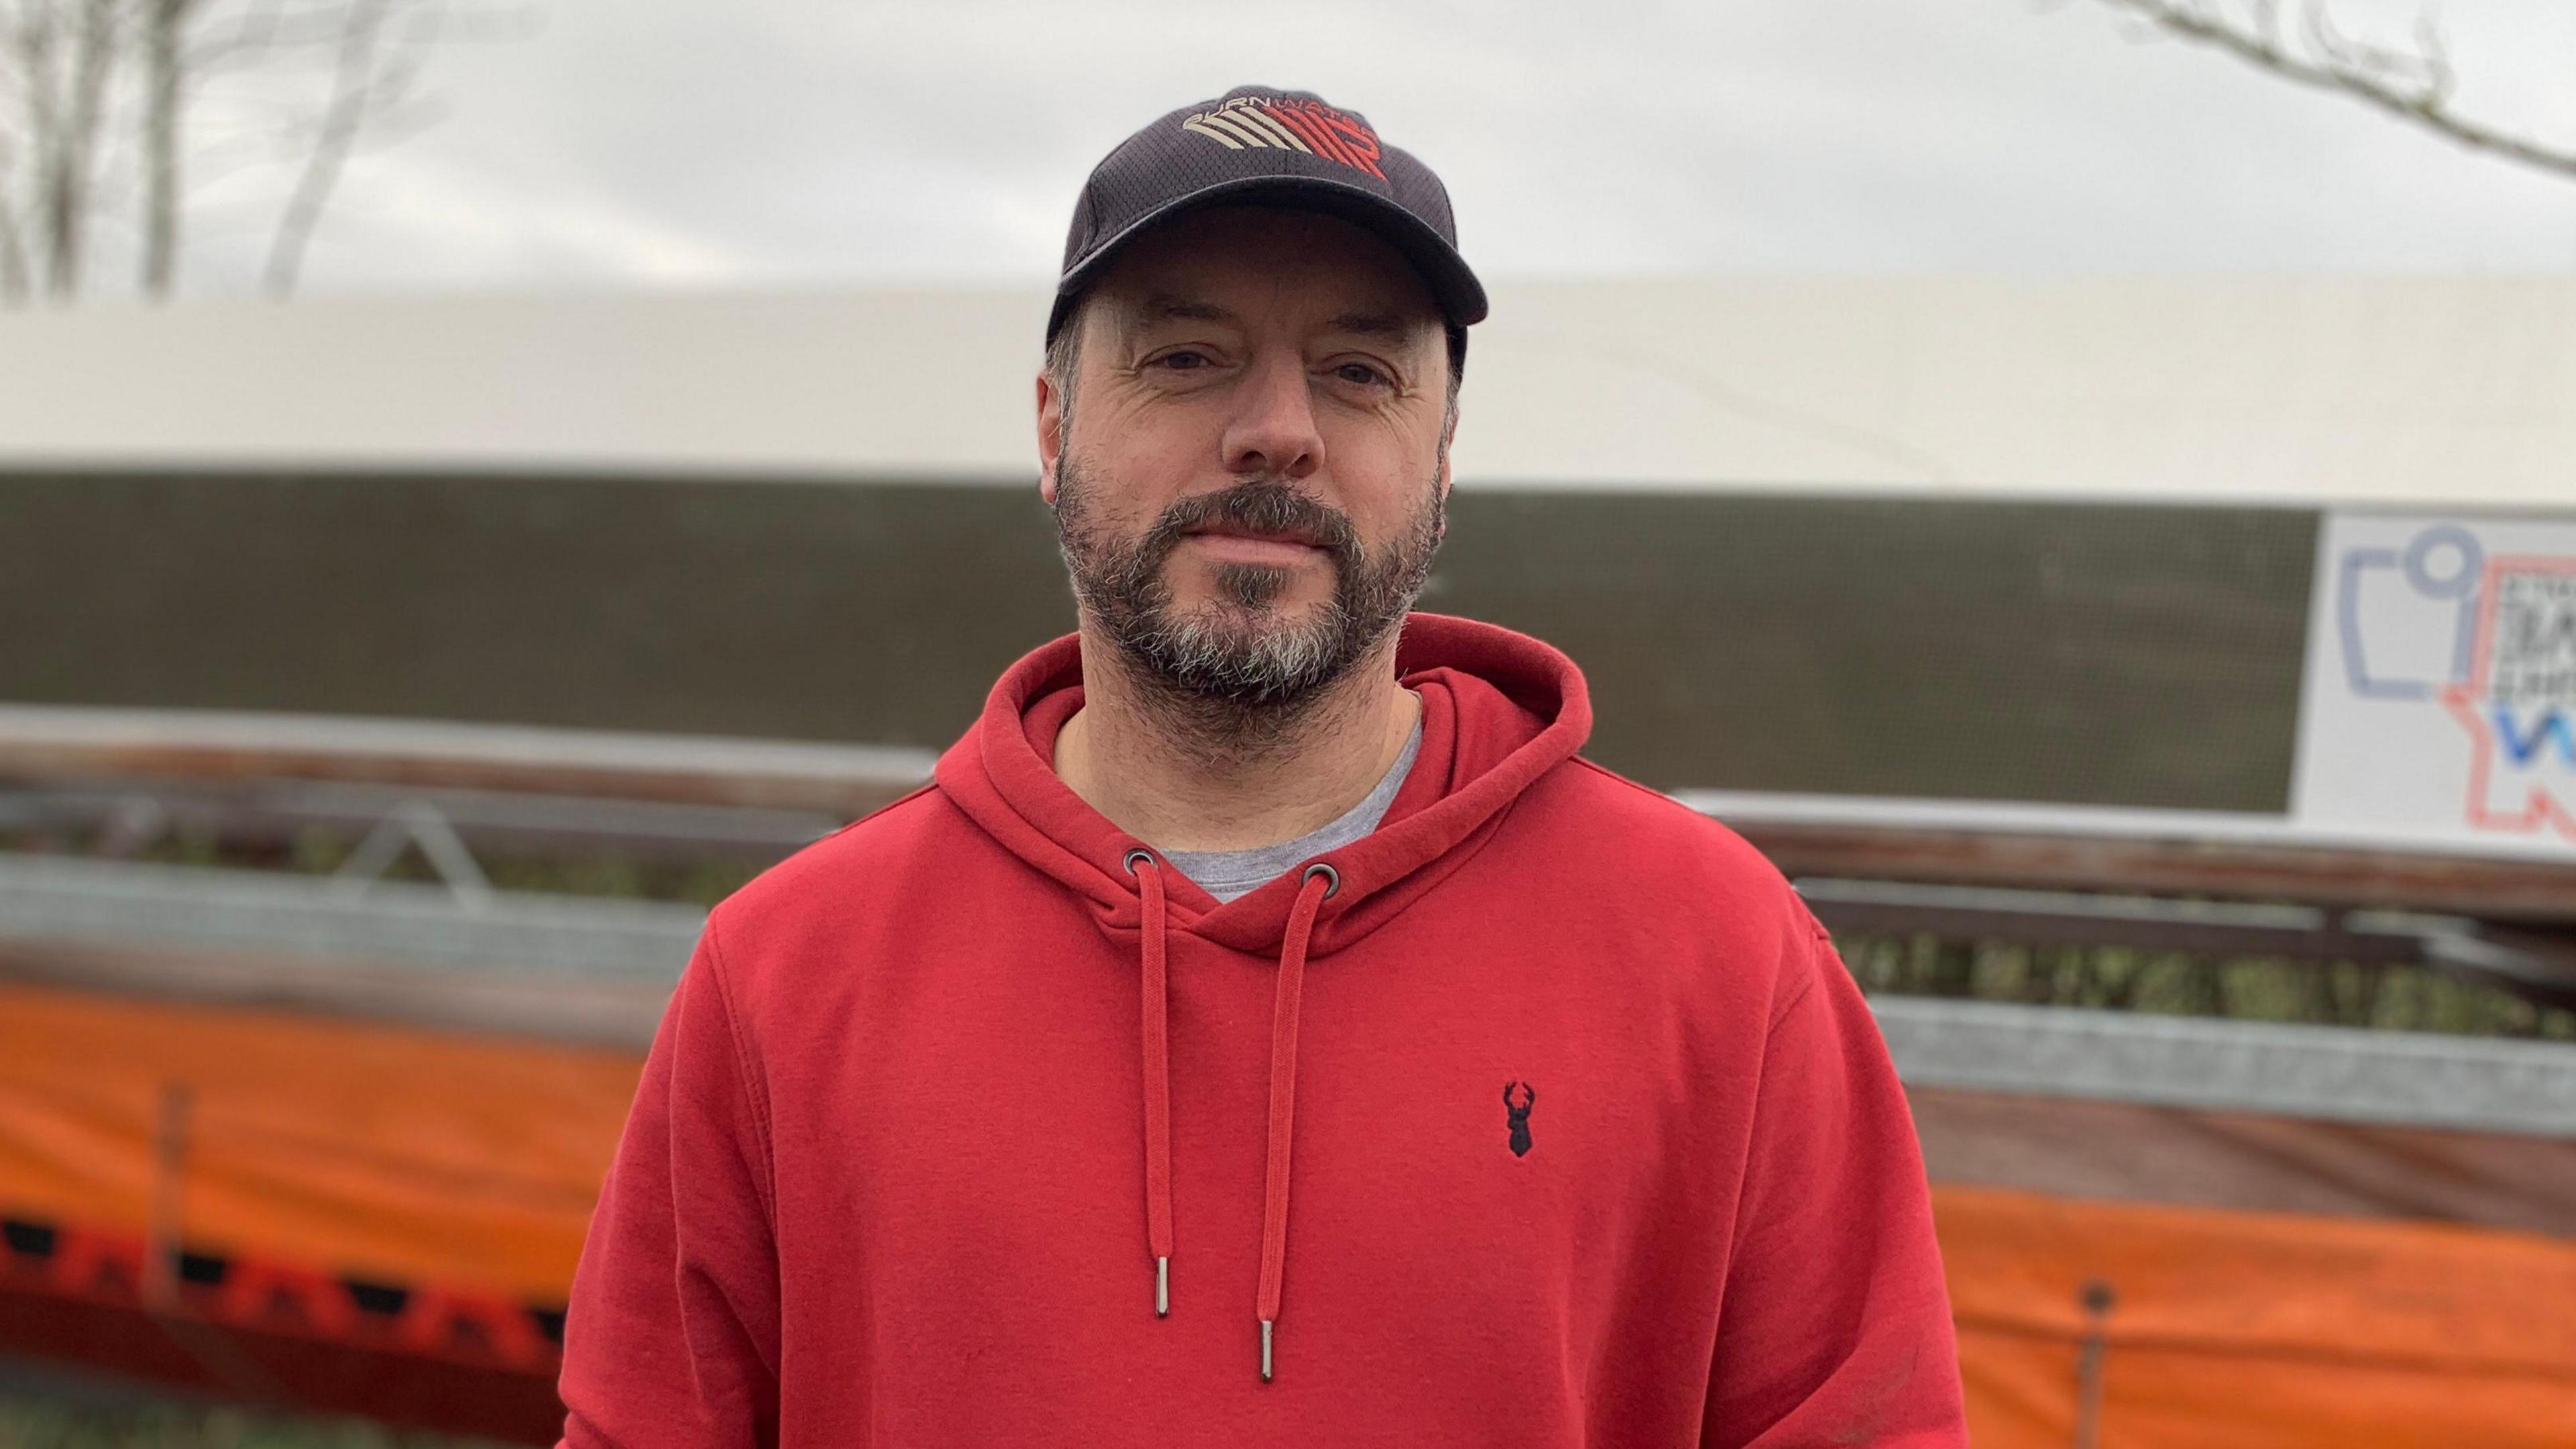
[1835,1323]
[672,1334]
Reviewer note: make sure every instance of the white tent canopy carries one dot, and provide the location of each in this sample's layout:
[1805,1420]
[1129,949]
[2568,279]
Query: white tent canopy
[2370,391]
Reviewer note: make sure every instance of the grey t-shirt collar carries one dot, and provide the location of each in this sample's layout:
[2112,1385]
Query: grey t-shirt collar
[1226,874]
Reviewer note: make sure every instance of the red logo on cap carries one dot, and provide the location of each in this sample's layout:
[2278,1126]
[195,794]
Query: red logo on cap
[1291,125]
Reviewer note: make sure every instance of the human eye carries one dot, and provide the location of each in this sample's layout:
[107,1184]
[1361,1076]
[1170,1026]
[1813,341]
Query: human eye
[1182,359]
[1359,372]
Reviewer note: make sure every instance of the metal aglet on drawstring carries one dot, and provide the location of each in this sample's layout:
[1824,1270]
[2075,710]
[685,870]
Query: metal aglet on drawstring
[1162,1287]
[1265,1350]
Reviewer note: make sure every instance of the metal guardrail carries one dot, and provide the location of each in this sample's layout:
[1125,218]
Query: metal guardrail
[2538,966]
[78,902]
[432,932]
[2159,852]
[2336,1073]
[80,744]
[235,767]
[126,816]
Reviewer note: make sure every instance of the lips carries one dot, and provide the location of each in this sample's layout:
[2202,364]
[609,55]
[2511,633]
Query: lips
[1299,537]
[1263,521]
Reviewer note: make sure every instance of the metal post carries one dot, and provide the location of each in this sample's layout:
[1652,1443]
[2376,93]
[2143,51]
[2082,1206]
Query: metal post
[2097,1298]
[162,1244]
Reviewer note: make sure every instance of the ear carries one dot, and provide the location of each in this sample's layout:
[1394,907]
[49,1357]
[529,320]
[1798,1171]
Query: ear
[1448,436]
[1050,435]
[1448,439]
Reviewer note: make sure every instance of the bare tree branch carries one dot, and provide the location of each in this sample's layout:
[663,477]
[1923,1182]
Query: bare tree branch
[2414,85]
[353,96]
[111,104]
[33,41]
[262,30]
[14,279]
[164,23]
[67,186]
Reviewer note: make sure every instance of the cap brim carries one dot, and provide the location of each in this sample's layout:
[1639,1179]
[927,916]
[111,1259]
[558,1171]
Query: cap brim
[1453,286]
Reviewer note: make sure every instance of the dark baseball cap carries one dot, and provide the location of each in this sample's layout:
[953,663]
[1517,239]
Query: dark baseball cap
[1257,145]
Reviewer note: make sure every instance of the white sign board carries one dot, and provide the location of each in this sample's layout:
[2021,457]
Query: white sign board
[2439,707]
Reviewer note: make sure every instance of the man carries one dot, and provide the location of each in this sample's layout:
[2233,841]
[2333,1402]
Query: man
[1266,1030]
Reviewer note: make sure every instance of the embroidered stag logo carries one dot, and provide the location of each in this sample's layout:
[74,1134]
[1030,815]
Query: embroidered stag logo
[1517,1110]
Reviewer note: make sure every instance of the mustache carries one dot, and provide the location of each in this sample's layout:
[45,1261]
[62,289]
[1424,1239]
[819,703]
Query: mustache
[1258,505]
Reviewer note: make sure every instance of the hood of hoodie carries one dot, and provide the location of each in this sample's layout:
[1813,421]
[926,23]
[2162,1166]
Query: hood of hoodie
[1499,710]
[976,1124]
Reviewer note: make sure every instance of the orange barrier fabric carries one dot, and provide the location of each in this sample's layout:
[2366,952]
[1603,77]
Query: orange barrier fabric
[416,1157]
[376,1152]
[2254,1329]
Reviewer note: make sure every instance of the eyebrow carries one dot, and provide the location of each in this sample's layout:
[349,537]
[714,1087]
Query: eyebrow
[1370,324]
[1164,305]
[1167,307]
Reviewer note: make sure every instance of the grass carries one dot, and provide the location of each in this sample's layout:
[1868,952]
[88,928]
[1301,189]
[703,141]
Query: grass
[2387,997]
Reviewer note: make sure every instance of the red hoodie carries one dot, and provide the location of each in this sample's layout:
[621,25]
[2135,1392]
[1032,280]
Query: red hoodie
[1546,1116]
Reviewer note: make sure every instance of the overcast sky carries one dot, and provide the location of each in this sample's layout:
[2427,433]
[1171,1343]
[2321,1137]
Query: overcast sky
[726,143]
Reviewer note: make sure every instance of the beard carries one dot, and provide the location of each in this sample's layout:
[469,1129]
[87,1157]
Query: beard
[1238,662]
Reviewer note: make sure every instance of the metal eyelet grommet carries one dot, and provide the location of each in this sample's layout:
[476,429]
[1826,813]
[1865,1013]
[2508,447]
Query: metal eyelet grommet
[1332,877]
[1136,855]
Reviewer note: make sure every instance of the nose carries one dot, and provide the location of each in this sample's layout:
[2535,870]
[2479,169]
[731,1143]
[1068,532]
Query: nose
[1272,431]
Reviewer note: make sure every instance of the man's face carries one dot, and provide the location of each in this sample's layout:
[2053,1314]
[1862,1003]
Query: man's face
[1250,479]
